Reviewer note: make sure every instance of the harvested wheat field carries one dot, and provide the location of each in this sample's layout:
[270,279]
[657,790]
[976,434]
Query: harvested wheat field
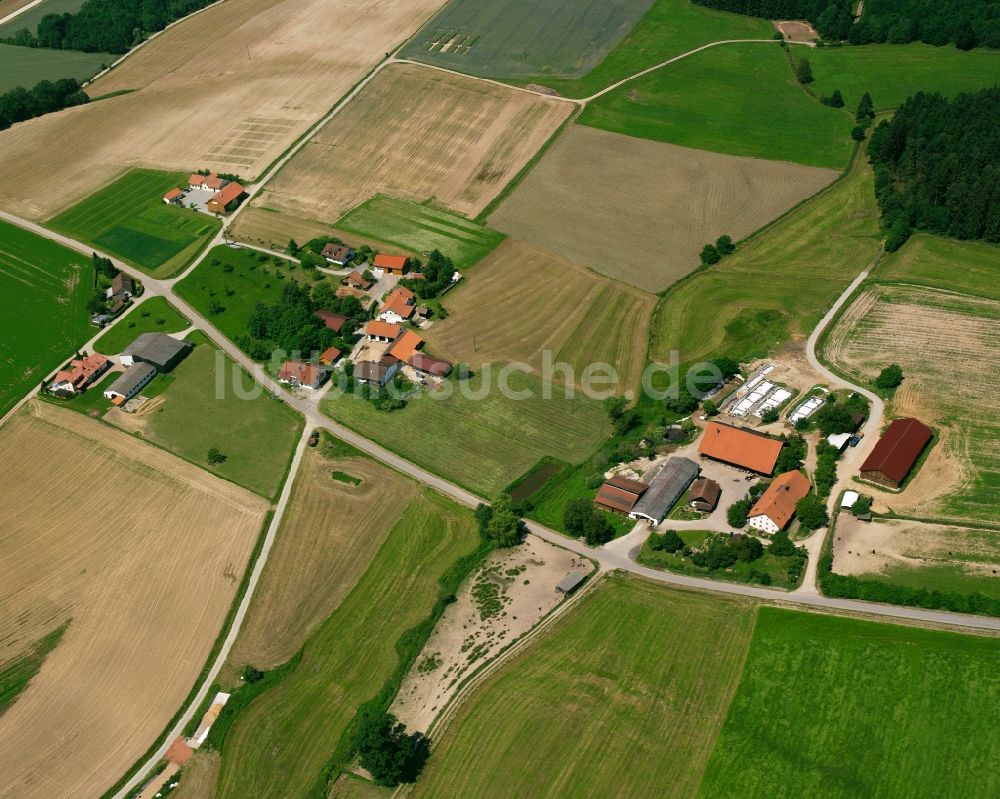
[329,534]
[521,301]
[228,89]
[941,340]
[640,211]
[142,554]
[417,133]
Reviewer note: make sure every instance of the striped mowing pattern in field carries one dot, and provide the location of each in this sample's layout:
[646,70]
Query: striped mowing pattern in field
[129,219]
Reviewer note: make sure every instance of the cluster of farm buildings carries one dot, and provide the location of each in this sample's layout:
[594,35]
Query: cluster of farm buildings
[209,193]
[387,345]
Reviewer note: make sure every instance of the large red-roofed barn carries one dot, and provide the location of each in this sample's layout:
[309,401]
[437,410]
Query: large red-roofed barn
[896,452]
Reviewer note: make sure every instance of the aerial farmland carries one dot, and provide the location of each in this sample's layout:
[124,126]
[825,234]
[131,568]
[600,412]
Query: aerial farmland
[475,399]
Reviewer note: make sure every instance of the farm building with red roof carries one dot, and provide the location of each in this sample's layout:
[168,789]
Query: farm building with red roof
[333,321]
[619,494]
[739,447]
[391,264]
[896,452]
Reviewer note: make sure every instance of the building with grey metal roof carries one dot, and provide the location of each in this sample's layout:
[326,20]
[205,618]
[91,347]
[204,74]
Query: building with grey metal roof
[130,383]
[158,349]
[665,489]
[570,582]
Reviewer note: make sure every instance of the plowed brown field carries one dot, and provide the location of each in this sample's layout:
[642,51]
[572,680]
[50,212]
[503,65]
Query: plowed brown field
[521,301]
[230,89]
[417,133]
[640,210]
[142,553]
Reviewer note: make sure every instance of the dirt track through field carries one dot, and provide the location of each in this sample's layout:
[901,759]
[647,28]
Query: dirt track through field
[229,89]
[417,133]
[640,211]
[142,553]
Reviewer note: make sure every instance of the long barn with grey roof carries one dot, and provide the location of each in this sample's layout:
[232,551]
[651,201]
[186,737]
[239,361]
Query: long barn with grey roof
[665,489]
[157,349]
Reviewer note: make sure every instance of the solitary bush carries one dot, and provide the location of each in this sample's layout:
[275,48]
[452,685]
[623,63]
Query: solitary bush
[889,378]
[738,512]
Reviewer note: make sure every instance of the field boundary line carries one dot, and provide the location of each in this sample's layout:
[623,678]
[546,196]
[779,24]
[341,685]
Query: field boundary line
[21,10]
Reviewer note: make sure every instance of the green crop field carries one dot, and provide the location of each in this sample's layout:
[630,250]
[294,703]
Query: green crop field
[45,288]
[778,283]
[624,696]
[30,18]
[484,443]
[129,220]
[25,66]
[154,315]
[202,409]
[837,707]
[253,277]
[280,743]
[421,228]
[517,38]
[740,99]
[669,28]
[970,267]
[893,73]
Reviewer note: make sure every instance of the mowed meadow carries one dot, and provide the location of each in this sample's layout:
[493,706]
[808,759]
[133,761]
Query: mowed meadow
[444,137]
[640,211]
[228,89]
[940,339]
[502,314]
[129,220]
[142,564]
[45,289]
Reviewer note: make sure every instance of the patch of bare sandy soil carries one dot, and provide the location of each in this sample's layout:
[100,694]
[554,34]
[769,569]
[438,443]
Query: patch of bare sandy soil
[640,211]
[796,30]
[229,89]
[508,596]
[142,553]
[877,546]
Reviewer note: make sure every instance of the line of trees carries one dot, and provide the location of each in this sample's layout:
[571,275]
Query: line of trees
[19,104]
[937,167]
[964,23]
[105,26]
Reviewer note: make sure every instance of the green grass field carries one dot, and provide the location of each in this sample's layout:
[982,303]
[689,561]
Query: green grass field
[25,66]
[482,444]
[201,410]
[253,278]
[421,228]
[893,73]
[970,267]
[154,315]
[837,707]
[45,288]
[128,219]
[31,17]
[280,743]
[548,503]
[516,38]
[669,28]
[740,99]
[780,282]
[624,696]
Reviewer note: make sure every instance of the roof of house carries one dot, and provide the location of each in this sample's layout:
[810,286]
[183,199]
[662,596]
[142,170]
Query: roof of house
[158,348]
[306,374]
[406,346]
[398,303]
[334,321]
[374,371]
[705,490]
[898,449]
[666,488]
[620,493]
[330,354]
[213,181]
[384,261]
[227,193]
[338,252]
[432,366]
[382,329]
[173,194]
[357,279]
[81,370]
[778,502]
[131,378]
[740,447]
[122,282]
